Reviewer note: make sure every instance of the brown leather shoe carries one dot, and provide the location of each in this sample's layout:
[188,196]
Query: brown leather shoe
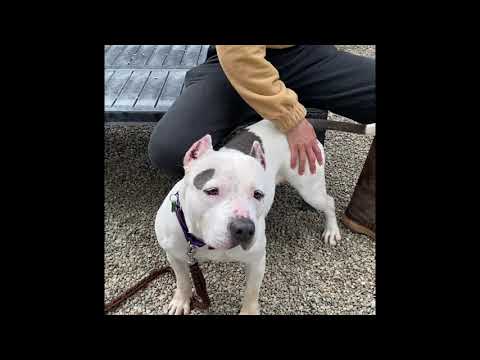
[360,214]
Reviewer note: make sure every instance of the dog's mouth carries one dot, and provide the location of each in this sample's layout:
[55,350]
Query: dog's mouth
[221,247]
[247,246]
[226,246]
[230,244]
[244,246]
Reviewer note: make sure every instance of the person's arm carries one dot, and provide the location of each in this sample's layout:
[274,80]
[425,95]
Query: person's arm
[258,82]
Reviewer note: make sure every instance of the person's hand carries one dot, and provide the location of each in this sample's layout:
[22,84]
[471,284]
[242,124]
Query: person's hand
[303,145]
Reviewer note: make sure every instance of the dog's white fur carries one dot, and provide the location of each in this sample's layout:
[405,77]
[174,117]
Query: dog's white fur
[237,175]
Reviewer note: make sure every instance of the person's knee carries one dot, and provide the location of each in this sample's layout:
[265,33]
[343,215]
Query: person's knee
[156,149]
[163,153]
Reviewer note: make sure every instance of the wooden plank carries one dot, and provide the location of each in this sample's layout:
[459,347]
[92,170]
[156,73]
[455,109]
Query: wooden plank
[143,55]
[132,88]
[175,55]
[127,56]
[115,85]
[152,89]
[172,88]
[159,56]
[108,75]
[113,53]
[191,55]
[203,54]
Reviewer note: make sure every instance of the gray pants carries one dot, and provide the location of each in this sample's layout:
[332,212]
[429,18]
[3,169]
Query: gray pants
[323,78]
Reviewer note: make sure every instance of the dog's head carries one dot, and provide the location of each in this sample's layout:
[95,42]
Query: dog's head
[225,194]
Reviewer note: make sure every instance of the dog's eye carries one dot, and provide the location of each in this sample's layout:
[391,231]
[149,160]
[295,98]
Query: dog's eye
[257,194]
[211,191]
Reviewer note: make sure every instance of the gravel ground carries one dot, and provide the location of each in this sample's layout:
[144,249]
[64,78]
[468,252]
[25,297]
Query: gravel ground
[303,276]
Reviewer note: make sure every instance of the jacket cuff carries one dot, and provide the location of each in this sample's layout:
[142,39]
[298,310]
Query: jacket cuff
[292,119]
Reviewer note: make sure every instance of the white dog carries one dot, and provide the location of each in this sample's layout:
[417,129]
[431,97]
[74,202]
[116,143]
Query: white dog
[225,196]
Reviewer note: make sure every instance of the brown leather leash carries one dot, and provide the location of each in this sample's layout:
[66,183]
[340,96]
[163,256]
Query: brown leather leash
[201,302]
[200,299]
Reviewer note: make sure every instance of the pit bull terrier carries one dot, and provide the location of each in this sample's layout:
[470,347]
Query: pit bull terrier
[225,196]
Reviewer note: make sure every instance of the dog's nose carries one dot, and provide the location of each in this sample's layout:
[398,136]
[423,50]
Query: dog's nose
[241,230]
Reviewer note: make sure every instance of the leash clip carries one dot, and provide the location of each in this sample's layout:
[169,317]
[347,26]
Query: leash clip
[190,255]
[174,201]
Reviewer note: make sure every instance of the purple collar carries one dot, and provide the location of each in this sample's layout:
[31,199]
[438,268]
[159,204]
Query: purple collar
[194,241]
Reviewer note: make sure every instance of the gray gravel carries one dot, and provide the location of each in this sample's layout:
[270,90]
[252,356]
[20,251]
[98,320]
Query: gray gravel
[303,275]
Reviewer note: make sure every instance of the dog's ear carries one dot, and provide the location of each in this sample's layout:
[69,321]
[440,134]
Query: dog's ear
[197,150]
[257,153]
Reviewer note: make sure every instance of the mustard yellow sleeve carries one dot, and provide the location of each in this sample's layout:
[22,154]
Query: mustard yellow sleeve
[258,82]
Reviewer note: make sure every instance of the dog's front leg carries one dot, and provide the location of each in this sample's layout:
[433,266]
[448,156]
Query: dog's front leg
[255,272]
[180,303]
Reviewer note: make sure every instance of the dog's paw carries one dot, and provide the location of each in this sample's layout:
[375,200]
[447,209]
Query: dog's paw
[180,304]
[253,309]
[331,236]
